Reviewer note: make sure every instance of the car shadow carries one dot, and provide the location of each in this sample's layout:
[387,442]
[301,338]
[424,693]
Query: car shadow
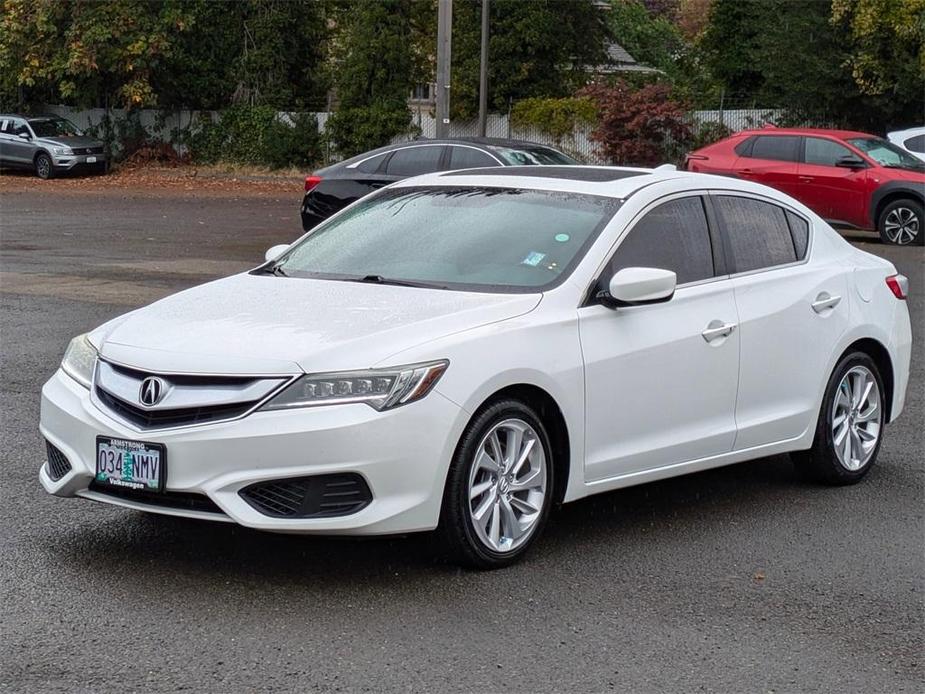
[166,544]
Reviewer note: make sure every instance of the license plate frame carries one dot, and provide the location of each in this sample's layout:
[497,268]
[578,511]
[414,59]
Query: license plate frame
[115,478]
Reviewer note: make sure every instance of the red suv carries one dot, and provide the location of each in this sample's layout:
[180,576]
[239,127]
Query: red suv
[848,178]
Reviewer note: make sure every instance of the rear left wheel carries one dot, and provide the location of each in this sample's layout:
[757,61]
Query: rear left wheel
[499,488]
[850,425]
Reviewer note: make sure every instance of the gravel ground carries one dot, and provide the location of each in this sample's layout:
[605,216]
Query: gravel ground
[737,579]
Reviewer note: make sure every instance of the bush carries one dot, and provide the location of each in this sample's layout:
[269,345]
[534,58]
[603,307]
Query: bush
[356,130]
[641,126]
[256,135]
[558,118]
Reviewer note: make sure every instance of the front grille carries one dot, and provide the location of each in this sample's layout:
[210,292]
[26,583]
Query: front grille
[185,501]
[162,419]
[58,464]
[189,399]
[318,496]
[88,150]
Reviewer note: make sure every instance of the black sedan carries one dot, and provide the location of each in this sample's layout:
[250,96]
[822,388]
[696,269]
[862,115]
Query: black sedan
[332,188]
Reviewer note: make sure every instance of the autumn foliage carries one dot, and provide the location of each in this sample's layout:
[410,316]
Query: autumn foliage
[638,126]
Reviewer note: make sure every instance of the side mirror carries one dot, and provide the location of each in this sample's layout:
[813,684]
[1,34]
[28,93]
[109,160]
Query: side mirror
[25,136]
[851,163]
[276,251]
[634,286]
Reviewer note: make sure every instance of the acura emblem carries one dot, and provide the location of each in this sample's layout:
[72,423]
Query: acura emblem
[153,390]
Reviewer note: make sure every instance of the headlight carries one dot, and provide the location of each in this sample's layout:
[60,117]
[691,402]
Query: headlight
[62,150]
[381,389]
[79,360]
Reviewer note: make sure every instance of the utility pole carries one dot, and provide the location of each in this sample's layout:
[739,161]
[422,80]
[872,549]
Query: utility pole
[444,50]
[483,73]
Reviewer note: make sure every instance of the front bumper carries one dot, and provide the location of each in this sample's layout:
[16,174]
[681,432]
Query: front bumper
[403,455]
[70,162]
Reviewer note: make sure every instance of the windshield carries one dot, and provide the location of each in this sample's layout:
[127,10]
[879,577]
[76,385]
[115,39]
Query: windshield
[533,156]
[886,153]
[53,127]
[487,239]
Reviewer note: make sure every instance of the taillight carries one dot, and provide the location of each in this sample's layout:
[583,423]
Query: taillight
[311,182]
[899,285]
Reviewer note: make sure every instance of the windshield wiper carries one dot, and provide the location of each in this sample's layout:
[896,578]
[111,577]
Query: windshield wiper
[274,270]
[907,167]
[379,279]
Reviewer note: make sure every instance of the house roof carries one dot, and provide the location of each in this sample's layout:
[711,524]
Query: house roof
[620,60]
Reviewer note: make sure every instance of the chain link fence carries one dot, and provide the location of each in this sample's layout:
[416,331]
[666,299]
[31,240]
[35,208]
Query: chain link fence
[708,124]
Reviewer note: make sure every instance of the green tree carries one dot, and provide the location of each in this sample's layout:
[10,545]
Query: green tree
[887,46]
[729,44]
[854,64]
[85,52]
[376,64]
[651,37]
[537,49]
[801,60]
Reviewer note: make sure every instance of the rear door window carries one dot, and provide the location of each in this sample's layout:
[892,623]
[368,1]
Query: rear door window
[470,158]
[757,231]
[372,164]
[822,152]
[777,147]
[414,161]
[673,236]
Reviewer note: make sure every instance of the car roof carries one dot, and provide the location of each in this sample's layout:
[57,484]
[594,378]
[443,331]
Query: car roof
[919,130]
[608,181]
[840,134]
[481,142]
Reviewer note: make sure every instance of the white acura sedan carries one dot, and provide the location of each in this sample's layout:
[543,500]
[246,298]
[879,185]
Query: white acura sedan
[463,350]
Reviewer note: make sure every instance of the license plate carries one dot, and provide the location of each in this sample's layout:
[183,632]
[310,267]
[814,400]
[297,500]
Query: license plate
[131,464]
[91,160]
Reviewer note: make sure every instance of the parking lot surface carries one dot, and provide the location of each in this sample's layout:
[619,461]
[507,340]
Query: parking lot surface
[736,579]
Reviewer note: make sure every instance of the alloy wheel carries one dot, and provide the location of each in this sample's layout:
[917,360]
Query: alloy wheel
[507,485]
[856,418]
[901,226]
[43,167]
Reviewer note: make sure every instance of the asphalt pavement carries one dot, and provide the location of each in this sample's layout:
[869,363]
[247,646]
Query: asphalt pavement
[733,580]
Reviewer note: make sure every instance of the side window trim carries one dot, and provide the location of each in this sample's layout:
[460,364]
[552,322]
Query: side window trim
[721,251]
[730,267]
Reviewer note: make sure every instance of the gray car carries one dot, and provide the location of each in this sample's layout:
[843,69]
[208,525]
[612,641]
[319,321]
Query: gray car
[48,145]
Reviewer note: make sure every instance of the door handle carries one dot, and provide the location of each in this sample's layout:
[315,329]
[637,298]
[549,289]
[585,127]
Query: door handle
[807,179]
[746,171]
[717,329]
[824,302]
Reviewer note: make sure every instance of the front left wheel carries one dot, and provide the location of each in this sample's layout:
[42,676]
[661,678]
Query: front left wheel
[44,168]
[499,488]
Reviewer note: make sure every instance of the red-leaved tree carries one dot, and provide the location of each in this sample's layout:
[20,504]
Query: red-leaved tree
[638,126]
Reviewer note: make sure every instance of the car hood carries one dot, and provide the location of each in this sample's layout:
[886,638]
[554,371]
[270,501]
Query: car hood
[261,324]
[902,174]
[77,141]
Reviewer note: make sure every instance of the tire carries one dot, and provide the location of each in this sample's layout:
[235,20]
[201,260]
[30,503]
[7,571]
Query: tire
[503,497]
[44,168]
[829,461]
[902,223]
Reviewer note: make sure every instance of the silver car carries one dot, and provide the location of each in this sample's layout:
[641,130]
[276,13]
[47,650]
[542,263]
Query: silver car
[48,145]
